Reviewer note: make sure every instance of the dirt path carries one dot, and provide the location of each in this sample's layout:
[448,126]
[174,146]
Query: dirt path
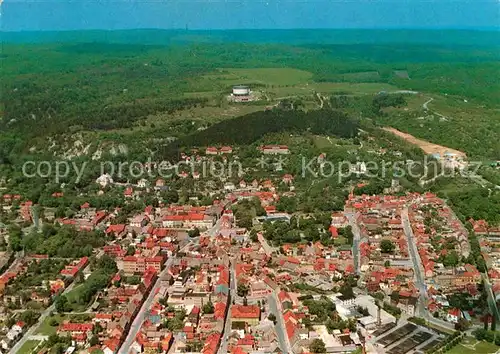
[425,105]
[427,147]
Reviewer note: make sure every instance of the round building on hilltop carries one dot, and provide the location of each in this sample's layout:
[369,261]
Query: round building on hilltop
[241,90]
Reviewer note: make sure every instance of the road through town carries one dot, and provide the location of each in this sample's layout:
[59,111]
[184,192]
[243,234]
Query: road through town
[351,217]
[232,295]
[139,319]
[29,335]
[274,306]
[419,276]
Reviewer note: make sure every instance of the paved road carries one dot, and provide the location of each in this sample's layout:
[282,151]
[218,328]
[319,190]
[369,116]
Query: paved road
[141,316]
[139,319]
[214,230]
[232,295]
[415,257]
[275,308]
[491,297]
[30,333]
[419,276]
[356,241]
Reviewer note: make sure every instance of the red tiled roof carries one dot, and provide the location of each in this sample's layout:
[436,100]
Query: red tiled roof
[241,311]
[76,327]
[117,229]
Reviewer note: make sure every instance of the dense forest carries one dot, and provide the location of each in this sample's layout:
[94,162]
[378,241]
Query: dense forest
[250,128]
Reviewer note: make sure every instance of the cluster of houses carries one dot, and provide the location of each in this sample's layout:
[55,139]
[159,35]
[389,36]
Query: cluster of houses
[489,241]
[10,200]
[12,335]
[111,321]
[441,241]
[378,220]
[190,306]
[438,234]
[230,293]
[47,290]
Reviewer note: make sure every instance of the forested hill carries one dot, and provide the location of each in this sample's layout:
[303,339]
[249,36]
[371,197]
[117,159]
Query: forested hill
[249,128]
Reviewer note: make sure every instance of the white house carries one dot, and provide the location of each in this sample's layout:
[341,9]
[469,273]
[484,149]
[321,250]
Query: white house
[453,315]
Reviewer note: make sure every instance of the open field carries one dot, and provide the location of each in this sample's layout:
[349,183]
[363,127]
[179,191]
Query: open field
[364,88]
[221,80]
[29,347]
[427,147]
[474,347]
[284,82]
[266,76]
[46,329]
[353,88]
[322,142]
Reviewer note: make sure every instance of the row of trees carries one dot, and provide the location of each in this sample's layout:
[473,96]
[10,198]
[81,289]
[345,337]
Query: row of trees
[448,343]
[491,336]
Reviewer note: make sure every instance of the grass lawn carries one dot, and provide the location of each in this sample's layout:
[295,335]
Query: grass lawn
[74,294]
[480,348]
[28,347]
[322,142]
[45,328]
[339,241]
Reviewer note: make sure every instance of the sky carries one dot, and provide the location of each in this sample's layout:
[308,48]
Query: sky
[33,15]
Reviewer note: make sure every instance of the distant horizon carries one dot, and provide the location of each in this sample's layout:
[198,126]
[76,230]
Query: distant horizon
[68,15]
